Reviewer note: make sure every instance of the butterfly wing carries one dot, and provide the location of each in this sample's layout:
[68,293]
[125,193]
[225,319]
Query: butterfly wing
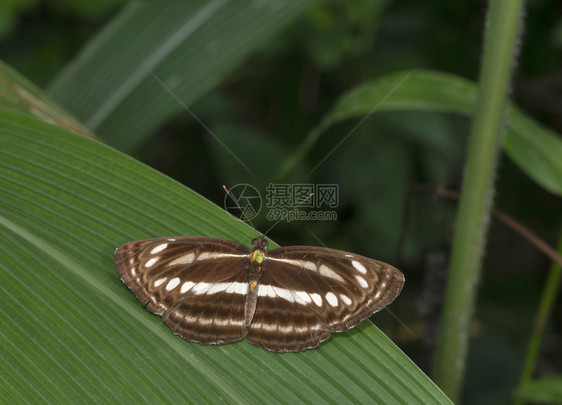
[199,285]
[306,293]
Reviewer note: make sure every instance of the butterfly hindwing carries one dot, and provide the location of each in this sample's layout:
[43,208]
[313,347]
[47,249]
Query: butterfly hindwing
[198,284]
[213,314]
[284,320]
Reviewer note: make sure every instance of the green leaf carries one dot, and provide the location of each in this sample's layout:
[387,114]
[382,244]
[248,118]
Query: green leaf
[546,389]
[71,331]
[534,148]
[188,45]
[19,94]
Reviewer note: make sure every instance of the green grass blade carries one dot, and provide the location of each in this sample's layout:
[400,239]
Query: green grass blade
[19,94]
[189,45]
[534,148]
[543,390]
[543,316]
[504,25]
[71,331]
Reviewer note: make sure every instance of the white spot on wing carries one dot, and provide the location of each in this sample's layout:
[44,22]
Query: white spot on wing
[269,328]
[133,271]
[302,329]
[185,287]
[185,259]
[201,288]
[345,299]
[217,287]
[302,297]
[160,281]
[299,263]
[208,255]
[230,322]
[173,283]
[284,293]
[285,329]
[232,288]
[308,265]
[332,299]
[362,281]
[237,288]
[316,298]
[151,261]
[330,273]
[272,291]
[159,248]
[216,255]
[266,291]
[359,267]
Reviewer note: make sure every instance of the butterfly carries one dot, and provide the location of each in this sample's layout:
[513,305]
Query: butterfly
[215,291]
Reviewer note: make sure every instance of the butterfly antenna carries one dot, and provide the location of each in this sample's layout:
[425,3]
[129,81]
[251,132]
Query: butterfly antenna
[293,207]
[229,194]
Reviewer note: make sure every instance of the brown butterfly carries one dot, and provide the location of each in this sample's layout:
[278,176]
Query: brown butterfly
[214,291]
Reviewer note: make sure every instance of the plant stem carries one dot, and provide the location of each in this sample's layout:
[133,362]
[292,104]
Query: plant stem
[504,21]
[544,311]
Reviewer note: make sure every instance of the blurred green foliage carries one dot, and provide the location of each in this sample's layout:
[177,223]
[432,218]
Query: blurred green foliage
[264,107]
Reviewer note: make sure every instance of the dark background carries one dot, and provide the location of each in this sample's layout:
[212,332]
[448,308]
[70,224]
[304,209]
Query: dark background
[282,91]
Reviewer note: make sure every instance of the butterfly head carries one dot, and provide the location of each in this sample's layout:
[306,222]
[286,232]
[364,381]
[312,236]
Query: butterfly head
[260,243]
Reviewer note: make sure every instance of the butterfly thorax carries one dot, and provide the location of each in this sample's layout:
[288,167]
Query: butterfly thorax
[258,255]
[257,258]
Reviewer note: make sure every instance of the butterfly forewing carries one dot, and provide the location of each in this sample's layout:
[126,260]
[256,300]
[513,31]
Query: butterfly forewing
[306,293]
[201,288]
[198,284]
